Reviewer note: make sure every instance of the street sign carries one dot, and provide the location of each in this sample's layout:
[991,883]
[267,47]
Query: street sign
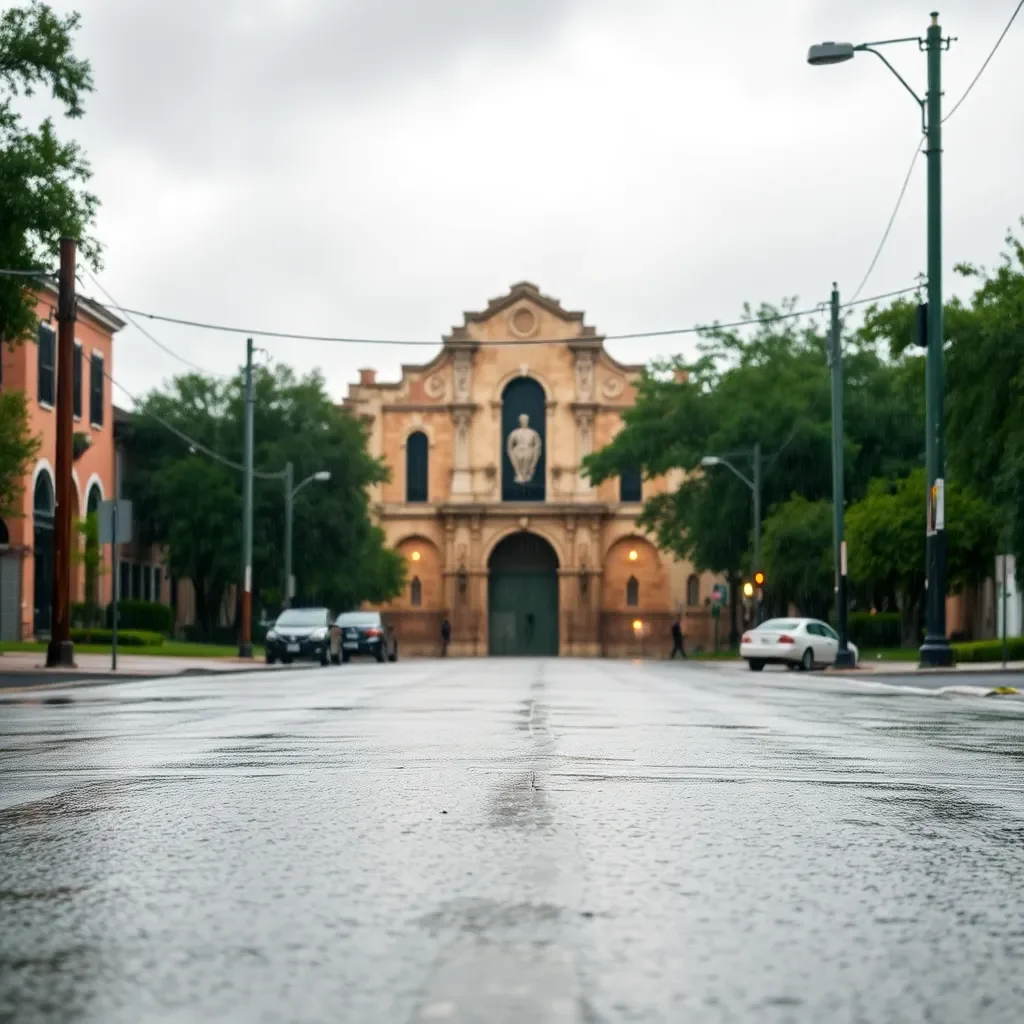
[124,521]
[719,595]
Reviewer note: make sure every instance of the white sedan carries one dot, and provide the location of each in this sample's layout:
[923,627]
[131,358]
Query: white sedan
[803,643]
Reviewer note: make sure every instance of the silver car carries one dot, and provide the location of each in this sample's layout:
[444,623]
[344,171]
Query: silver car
[795,643]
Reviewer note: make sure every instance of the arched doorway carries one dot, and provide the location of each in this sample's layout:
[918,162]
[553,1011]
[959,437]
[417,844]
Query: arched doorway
[523,396]
[42,553]
[523,597]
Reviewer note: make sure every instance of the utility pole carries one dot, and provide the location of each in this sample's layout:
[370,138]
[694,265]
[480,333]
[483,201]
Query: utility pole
[757,528]
[844,657]
[289,487]
[61,651]
[245,643]
[936,650]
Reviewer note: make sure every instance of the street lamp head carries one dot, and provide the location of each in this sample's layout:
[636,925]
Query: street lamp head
[710,460]
[830,53]
[323,476]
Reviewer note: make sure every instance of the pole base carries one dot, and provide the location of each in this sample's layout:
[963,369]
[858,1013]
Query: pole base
[936,653]
[844,659]
[245,650]
[60,654]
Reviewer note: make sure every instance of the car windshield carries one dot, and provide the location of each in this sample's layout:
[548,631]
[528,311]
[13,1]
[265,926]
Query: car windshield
[359,619]
[302,617]
[779,624]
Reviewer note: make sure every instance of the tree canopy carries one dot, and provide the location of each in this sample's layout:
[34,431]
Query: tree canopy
[193,503]
[42,179]
[18,447]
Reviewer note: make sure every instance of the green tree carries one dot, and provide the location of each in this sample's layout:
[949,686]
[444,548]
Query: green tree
[886,543]
[798,555]
[18,447]
[42,179]
[192,502]
[769,384]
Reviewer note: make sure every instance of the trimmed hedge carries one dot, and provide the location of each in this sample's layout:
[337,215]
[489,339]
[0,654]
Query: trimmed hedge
[81,612]
[885,629]
[125,637]
[990,650]
[150,616]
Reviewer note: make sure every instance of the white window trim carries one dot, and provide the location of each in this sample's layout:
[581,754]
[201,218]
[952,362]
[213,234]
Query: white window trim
[103,390]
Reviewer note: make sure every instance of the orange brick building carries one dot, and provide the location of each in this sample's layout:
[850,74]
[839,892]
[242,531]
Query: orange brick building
[502,533]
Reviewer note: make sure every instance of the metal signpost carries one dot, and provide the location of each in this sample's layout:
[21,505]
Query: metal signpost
[115,528]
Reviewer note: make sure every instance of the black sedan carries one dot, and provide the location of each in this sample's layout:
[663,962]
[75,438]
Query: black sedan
[300,633]
[365,634]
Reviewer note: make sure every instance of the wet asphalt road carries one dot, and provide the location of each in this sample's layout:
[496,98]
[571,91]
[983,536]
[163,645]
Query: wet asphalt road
[510,841]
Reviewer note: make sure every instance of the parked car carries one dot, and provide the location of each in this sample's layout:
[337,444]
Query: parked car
[300,633]
[795,643]
[365,634]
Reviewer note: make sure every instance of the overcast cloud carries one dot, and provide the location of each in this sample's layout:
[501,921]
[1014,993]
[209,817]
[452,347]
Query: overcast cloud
[375,167]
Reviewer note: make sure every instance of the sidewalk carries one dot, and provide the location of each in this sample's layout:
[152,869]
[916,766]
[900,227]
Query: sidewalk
[27,668]
[911,668]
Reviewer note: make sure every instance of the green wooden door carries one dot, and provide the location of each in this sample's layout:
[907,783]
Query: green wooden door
[523,598]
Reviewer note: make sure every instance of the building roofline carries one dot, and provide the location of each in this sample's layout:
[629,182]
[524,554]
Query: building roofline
[91,307]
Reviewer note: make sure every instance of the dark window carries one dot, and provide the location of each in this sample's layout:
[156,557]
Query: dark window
[631,486]
[633,592]
[416,592]
[416,465]
[157,583]
[136,581]
[92,503]
[47,364]
[147,583]
[96,389]
[76,386]
[693,590]
[126,581]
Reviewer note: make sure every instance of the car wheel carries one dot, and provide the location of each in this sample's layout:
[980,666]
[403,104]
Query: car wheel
[807,661]
[285,660]
[755,665]
[270,659]
[380,657]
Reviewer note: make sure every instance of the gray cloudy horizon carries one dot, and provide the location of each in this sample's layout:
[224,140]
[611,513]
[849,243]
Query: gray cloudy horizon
[373,168]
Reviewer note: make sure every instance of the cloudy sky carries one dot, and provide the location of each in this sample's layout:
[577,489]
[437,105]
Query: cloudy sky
[372,168]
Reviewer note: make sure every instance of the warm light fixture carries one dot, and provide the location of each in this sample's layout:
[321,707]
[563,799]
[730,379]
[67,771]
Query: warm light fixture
[415,556]
[633,556]
[637,626]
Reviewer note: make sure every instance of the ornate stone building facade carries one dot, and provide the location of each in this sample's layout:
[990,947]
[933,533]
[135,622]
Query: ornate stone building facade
[501,532]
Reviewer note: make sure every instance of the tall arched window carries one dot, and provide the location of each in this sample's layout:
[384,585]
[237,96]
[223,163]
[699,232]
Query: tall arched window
[416,467]
[42,551]
[631,486]
[92,502]
[524,409]
[633,592]
[693,590]
[415,592]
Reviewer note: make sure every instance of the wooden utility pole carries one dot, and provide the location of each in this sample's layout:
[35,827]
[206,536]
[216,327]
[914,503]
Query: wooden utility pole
[61,651]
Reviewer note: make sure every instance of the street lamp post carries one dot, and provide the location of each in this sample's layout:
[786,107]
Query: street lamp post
[289,498]
[755,489]
[844,656]
[935,651]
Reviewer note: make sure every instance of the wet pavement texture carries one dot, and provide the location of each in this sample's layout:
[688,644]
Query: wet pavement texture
[520,840]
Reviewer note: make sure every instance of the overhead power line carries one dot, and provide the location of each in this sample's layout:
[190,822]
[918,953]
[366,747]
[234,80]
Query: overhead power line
[156,341]
[190,441]
[511,342]
[892,220]
[7,272]
[981,70]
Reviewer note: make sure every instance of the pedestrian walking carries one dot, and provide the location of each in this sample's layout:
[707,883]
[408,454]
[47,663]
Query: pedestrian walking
[677,639]
[446,637]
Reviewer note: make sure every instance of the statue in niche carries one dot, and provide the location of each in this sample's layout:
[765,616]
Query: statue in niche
[524,448]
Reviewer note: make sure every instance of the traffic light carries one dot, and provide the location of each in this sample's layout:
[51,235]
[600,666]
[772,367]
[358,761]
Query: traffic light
[921,326]
[759,578]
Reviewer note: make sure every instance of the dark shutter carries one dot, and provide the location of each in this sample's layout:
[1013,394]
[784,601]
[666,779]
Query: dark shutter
[631,487]
[76,383]
[157,582]
[416,467]
[136,581]
[47,365]
[125,591]
[96,389]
